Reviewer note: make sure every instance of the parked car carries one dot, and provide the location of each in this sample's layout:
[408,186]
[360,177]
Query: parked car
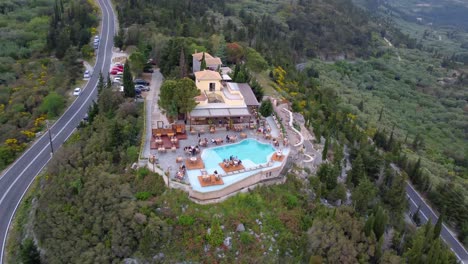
[137,91]
[148,70]
[140,81]
[87,74]
[113,72]
[118,67]
[77,91]
[117,79]
[142,87]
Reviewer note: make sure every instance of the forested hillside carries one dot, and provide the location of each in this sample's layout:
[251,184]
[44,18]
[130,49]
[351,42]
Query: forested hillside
[91,207]
[411,88]
[284,32]
[35,86]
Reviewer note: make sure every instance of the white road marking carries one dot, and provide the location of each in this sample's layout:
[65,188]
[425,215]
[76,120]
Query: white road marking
[19,176]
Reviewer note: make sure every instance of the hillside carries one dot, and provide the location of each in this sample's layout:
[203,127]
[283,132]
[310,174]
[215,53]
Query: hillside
[284,32]
[330,61]
[35,85]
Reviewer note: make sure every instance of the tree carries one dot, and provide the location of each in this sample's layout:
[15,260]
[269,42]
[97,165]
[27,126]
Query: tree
[363,195]
[29,253]
[203,63]
[380,221]
[100,84]
[129,86]
[182,64]
[52,105]
[325,148]
[339,238]
[381,113]
[415,173]
[369,226]
[266,108]
[119,39]
[438,226]
[177,96]
[416,217]
[358,171]
[138,62]
[257,89]
[255,61]
[221,52]
[361,106]
[395,194]
[184,96]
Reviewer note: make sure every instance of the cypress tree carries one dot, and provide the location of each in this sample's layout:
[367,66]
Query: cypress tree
[100,84]
[416,218]
[325,148]
[109,82]
[380,114]
[438,226]
[182,64]
[129,86]
[29,253]
[203,63]
[380,222]
[358,171]
[369,226]
[415,172]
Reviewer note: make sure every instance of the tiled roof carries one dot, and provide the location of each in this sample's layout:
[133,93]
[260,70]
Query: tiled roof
[207,75]
[199,55]
[213,61]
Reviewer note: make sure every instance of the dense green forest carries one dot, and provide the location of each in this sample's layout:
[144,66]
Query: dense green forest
[109,212]
[91,207]
[410,91]
[33,85]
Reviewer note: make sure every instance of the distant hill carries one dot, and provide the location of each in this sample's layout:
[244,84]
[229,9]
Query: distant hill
[446,13]
[279,29]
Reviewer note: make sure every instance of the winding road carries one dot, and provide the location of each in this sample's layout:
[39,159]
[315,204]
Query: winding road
[426,213]
[16,180]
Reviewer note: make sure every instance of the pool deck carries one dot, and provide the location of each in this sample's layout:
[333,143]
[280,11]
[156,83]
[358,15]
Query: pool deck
[167,160]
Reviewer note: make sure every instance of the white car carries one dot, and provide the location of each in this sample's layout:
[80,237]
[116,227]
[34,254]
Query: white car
[87,74]
[77,91]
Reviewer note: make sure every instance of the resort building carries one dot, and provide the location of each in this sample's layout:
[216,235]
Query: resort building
[212,63]
[222,103]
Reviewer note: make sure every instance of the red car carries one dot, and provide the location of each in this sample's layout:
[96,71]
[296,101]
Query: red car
[113,72]
[119,67]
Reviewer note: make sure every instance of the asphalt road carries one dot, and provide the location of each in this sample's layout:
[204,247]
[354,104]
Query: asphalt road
[426,213]
[19,176]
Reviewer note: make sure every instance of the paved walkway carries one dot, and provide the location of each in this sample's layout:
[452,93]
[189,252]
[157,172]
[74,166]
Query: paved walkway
[313,152]
[153,113]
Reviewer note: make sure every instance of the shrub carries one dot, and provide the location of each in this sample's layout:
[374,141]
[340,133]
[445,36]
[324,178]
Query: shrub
[142,173]
[291,201]
[52,104]
[143,196]
[266,108]
[186,220]
[246,238]
[132,154]
[216,236]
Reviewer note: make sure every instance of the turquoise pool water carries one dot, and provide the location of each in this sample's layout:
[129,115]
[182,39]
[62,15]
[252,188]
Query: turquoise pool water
[246,150]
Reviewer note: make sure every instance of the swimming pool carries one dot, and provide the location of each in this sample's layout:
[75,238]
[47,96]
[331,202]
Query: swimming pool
[248,150]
